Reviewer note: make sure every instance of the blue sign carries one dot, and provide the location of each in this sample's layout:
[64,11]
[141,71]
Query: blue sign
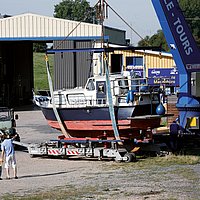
[167,76]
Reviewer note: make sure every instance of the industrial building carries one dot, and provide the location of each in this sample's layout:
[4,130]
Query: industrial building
[18,33]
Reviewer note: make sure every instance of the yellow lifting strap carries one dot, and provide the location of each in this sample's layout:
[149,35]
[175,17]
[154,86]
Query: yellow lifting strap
[62,127]
[110,101]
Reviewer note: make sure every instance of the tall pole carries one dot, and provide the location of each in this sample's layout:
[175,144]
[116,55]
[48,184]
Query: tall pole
[101,18]
[102,15]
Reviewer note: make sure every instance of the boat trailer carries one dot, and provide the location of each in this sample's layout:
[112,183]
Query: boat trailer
[86,148]
[80,147]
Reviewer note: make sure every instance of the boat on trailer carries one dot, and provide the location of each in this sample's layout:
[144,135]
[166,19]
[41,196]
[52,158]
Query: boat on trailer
[85,111]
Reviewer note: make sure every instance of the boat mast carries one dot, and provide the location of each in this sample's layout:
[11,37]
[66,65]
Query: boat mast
[104,57]
[101,14]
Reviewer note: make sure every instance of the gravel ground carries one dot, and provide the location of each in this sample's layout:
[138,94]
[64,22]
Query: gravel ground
[90,179]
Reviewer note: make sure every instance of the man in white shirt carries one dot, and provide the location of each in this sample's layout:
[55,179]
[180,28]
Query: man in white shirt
[9,153]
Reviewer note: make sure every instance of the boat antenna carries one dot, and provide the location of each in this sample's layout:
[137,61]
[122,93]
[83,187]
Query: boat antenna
[102,12]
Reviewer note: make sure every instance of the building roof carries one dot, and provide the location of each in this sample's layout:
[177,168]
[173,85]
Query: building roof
[30,26]
[160,53]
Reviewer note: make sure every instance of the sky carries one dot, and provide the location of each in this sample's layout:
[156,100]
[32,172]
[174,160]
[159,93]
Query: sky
[139,14]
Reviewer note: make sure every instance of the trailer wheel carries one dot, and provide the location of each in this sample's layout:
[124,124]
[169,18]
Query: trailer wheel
[129,157]
[134,157]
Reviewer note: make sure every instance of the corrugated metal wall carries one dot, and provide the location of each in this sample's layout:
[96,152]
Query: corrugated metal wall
[71,69]
[32,25]
[63,66]
[83,62]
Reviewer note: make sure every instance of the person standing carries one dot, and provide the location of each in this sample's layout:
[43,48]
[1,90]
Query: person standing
[174,131]
[0,168]
[8,153]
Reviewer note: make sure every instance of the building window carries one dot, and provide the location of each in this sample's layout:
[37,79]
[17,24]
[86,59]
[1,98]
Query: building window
[135,61]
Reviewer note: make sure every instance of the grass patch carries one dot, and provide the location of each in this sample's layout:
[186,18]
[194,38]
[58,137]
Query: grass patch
[40,72]
[151,162]
[68,192]
[181,160]
[65,192]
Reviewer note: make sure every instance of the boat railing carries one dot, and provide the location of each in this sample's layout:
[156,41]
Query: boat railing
[123,85]
[87,101]
[121,88]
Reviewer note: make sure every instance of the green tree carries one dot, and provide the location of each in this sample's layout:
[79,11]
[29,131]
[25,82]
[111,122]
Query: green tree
[78,10]
[191,11]
[39,47]
[157,40]
[144,42]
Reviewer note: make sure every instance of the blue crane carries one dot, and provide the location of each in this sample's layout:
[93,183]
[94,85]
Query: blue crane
[186,55]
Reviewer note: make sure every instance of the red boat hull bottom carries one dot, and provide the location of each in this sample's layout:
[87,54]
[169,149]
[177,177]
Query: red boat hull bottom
[127,128]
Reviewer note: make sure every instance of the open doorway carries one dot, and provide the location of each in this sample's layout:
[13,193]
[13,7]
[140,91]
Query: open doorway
[116,63]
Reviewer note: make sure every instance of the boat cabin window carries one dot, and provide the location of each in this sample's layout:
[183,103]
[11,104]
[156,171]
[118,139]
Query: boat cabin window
[76,99]
[123,85]
[90,85]
[60,99]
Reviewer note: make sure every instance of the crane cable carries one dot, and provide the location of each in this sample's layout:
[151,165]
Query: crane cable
[50,82]
[83,20]
[63,129]
[127,23]
[101,16]
[59,44]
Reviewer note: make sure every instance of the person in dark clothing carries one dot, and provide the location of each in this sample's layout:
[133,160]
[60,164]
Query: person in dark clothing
[174,132]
